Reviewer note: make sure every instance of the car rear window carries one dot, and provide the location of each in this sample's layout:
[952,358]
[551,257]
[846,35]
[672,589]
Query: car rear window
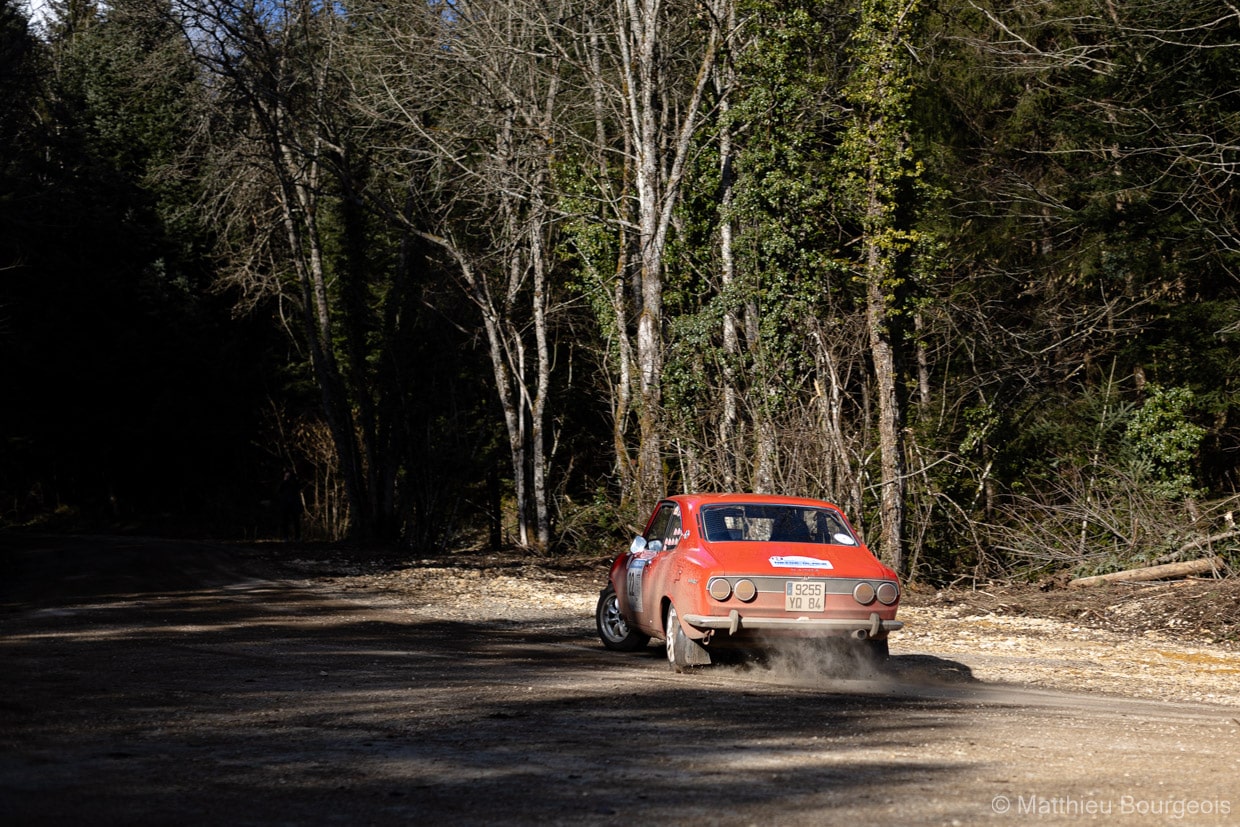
[775,524]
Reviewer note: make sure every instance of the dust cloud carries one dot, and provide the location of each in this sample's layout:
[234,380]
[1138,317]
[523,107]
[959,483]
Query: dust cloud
[841,665]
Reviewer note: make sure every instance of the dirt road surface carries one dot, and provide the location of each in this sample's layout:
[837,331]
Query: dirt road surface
[167,682]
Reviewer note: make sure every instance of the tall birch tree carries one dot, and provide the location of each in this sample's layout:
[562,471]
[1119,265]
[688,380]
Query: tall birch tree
[660,134]
[473,91]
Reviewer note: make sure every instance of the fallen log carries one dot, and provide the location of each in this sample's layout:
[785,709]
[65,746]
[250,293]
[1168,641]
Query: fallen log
[1169,571]
[1195,544]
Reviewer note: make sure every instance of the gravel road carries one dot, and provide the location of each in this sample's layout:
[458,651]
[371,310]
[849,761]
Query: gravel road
[157,682]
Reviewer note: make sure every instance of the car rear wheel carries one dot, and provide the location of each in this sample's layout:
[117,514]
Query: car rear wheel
[683,653]
[614,630]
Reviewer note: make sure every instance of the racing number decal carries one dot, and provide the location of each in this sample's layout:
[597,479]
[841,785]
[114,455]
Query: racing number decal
[633,582]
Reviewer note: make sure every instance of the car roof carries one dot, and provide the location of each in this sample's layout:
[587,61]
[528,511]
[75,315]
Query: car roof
[695,501]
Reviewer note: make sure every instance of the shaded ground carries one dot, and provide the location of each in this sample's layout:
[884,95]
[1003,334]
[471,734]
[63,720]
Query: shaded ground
[147,682]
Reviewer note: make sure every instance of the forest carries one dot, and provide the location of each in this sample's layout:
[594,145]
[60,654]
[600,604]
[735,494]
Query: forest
[505,272]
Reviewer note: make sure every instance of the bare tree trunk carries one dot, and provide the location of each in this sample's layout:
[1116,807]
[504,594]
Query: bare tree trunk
[660,151]
[767,447]
[508,347]
[842,482]
[622,382]
[728,449]
[542,382]
[639,39]
[509,400]
[539,231]
[299,215]
[923,361]
[622,402]
[890,437]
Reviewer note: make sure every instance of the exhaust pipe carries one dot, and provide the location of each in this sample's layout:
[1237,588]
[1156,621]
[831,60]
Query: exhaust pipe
[860,634]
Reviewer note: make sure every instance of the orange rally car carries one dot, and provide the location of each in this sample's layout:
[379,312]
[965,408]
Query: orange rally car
[739,570]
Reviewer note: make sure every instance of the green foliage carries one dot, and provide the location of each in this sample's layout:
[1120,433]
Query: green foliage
[784,130]
[597,528]
[1162,438]
[590,245]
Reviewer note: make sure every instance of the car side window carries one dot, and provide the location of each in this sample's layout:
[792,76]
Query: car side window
[664,528]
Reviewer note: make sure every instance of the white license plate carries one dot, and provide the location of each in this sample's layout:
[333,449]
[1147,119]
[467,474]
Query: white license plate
[803,596]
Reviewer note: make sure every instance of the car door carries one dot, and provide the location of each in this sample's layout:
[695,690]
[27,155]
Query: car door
[647,567]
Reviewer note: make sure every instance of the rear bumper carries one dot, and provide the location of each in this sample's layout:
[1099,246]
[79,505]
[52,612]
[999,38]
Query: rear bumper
[861,628]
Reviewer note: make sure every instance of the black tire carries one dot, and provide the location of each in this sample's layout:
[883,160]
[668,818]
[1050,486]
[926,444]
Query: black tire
[613,629]
[683,653]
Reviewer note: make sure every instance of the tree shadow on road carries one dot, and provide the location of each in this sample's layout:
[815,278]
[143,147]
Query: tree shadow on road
[245,701]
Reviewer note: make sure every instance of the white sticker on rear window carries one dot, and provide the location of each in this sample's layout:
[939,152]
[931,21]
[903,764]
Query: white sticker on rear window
[793,562]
